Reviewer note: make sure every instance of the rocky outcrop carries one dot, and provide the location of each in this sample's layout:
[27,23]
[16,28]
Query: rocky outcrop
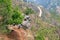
[21,34]
[18,34]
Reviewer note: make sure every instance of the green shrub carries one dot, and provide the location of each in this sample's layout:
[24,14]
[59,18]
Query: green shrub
[28,11]
[16,18]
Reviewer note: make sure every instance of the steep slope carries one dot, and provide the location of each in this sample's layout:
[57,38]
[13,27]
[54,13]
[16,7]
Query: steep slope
[49,17]
[46,26]
[43,30]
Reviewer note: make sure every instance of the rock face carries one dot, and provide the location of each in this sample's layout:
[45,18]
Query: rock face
[21,34]
[18,34]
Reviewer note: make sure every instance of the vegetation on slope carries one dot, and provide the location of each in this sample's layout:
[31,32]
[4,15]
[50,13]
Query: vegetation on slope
[9,15]
[45,30]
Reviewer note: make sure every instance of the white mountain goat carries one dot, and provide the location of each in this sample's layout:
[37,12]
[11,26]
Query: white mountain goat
[26,22]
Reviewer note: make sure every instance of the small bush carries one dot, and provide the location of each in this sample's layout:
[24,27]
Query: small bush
[28,11]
